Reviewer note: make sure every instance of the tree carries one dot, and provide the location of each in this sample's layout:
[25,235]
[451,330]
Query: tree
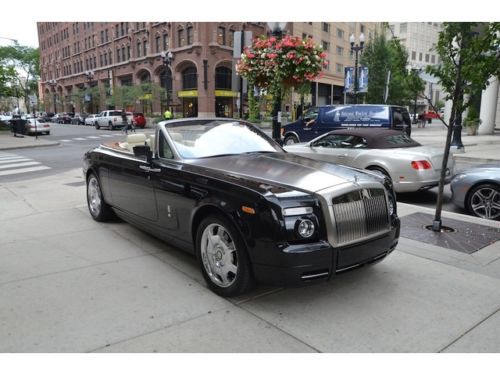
[469,54]
[382,56]
[22,64]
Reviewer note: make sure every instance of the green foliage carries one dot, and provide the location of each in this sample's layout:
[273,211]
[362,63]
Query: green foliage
[381,56]
[19,71]
[253,105]
[469,57]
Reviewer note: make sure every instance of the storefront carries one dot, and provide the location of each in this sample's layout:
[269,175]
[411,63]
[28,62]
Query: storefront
[189,99]
[224,103]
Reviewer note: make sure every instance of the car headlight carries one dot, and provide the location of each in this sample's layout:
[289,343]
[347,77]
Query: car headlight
[305,228]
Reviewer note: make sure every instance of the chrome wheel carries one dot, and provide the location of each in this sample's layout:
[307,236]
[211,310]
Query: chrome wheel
[94,196]
[219,255]
[485,202]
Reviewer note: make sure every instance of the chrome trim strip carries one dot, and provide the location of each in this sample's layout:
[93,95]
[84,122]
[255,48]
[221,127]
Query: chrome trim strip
[294,211]
[316,275]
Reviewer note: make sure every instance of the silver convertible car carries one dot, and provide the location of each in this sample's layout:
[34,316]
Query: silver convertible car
[410,165]
[478,191]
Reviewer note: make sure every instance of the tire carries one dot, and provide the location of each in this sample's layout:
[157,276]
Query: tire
[98,208]
[97,126]
[484,201]
[380,170]
[222,256]
[48,133]
[290,140]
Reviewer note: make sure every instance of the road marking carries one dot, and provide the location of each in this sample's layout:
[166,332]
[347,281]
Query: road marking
[19,165]
[23,170]
[79,139]
[93,137]
[107,135]
[65,140]
[10,157]
[19,158]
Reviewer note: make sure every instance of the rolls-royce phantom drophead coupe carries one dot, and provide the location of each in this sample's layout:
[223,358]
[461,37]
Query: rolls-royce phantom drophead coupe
[250,212]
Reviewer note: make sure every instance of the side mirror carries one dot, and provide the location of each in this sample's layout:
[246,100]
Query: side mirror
[143,151]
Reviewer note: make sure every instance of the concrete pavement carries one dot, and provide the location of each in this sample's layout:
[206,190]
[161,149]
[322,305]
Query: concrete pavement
[70,284]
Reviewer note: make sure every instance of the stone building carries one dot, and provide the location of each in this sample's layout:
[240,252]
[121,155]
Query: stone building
[85,64]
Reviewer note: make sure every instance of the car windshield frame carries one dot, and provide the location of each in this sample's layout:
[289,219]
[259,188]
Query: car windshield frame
[210,138]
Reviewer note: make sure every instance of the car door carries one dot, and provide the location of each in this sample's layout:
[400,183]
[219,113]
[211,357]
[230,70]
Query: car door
[131,187]
[177,192]
[338,148]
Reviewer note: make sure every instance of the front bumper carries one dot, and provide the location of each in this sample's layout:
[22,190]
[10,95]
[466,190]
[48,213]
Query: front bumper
[298,265]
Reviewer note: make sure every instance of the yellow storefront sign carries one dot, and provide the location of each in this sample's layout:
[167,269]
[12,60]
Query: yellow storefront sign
[226,93]
[187,94]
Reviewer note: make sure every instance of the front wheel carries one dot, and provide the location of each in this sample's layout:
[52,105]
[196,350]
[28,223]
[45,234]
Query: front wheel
[484,201]
[98,208]
[290,140]
[97,126]
[223,257]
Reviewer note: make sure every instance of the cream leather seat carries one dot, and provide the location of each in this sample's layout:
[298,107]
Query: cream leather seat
[151,142]
[135,140]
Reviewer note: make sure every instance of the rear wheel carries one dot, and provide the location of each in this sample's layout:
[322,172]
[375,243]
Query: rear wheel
[97,126]
[98,208]
[484,201]
[290,140]
[222,256]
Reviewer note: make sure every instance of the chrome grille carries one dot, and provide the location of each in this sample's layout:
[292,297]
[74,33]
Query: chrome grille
[360,214]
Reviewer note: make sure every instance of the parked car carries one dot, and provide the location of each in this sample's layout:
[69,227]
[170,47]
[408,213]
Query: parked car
[62,118]
[478,191]
[225,191]
[410,165]
[37,126]
[139,120]
[323,119]
[112,119]
[79,118]
[91,120]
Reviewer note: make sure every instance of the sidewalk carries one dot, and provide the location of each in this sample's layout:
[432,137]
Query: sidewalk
[9,142]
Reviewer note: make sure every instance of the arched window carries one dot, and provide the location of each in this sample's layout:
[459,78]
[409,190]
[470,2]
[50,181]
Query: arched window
[223,78]
[189,78]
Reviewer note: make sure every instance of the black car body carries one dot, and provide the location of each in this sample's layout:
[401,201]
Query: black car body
[219,186]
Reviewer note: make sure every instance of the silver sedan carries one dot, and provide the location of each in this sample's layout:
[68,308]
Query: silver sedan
[410,165]
[478,191]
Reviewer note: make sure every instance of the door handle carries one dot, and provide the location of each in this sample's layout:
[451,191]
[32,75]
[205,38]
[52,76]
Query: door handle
[145,168]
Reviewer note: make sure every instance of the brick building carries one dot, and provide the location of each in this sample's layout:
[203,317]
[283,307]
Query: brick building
[83,65]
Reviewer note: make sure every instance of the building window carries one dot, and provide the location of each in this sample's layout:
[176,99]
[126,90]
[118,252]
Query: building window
[223,78]
[180,38]
[128,52]
[426,57]
[138,50]
[157,43]
[326,27]
[123,53]
[231,38]
[189,79]
[339,68]
[110,57]
[105,58]
[420,56]
[362,28]
[145,47]
[189,35]
[340,33]
[118,55]
[403,27]
[433,59]
[340,51]
[165,42]
[327,65]
[325,45]
[221,35]
[413,55]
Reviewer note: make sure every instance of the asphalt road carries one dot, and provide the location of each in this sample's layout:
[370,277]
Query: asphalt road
[75,140]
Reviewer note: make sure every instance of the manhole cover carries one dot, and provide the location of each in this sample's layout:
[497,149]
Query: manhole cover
[466,237]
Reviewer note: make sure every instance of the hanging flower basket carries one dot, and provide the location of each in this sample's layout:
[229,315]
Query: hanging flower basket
[290,61]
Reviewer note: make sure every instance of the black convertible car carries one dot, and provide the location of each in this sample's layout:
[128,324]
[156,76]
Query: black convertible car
[251,212]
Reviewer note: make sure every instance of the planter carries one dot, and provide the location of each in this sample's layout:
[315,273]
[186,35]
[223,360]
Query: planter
[471,130]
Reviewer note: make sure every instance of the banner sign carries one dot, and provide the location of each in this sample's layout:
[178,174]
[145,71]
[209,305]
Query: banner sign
[349,79]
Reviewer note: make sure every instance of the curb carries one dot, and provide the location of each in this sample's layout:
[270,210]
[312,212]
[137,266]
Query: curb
[29,146]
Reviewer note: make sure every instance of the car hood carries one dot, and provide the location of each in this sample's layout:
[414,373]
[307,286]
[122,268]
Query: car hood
[284,169]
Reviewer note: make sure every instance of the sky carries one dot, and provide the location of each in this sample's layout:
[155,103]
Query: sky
[23,27]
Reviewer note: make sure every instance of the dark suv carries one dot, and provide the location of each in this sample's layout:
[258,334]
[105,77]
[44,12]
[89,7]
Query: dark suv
[322,119]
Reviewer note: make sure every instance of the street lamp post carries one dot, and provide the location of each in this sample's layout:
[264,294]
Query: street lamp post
[53,84]
[89,75]
[167,58]
[276,31]
[356,48]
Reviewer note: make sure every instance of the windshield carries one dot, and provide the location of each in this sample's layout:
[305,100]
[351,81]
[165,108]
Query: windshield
[218,138]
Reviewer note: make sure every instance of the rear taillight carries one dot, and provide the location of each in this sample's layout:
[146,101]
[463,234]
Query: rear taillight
[421,164]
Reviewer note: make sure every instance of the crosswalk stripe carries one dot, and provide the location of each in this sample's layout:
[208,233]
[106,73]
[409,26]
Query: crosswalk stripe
[23,170]
[14,160]
[65,140]
[92,137]
[19,165]
[107,135]
[78,139]
[10,157]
